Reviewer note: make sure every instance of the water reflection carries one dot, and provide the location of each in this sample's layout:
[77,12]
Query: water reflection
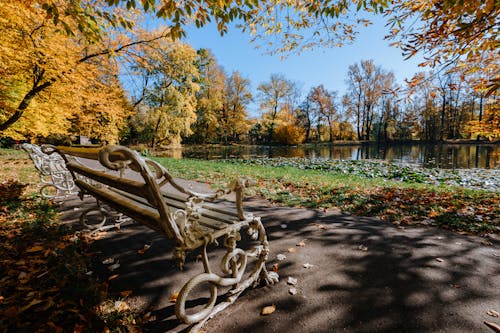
[445,156]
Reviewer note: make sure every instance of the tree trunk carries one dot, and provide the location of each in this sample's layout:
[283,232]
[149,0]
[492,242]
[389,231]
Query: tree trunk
[24,104]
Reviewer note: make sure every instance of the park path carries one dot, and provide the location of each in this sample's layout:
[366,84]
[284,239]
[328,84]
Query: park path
[353,274]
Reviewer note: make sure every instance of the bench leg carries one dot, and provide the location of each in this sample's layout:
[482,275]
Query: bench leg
[233,264]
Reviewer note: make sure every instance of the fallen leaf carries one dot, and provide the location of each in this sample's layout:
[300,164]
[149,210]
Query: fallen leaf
[114,276]
[292,291]
[280,257]
[173,298]
[267,310]
[144,249]
[302,243]
[292,250]
[493,326]
[320,226]
[284,226]
[493,313]
[362,248]
[432,214]
[126,293]
[113,267]
[275,268]
[307,265]
[35,248]
[439,260]
[291,280]
[32,303]
[108,261]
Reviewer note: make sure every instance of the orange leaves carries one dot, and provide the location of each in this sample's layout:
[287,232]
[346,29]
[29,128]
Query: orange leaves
[36,248]
[144,249]
[43,264]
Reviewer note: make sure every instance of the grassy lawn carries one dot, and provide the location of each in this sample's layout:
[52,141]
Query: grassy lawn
[404,203]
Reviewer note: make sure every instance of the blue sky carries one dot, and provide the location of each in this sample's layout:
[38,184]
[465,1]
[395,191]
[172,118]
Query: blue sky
[327,66]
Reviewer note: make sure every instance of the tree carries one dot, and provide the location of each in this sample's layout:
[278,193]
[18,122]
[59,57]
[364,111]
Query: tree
[448,31]
[33,57]
[40,58]
[367,83]
[313,22]
[274,95]
[305,118]
[168,100]
[210,98]
[489,126]
[323,105]
[238,96]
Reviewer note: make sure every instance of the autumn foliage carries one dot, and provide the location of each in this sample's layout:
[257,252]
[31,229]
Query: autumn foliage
[289,134]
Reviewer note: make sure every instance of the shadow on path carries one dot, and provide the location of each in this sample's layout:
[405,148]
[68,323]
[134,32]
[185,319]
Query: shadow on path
[366,276]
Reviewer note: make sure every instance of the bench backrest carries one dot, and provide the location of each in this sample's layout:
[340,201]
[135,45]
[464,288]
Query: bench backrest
[43,162]
[135,176]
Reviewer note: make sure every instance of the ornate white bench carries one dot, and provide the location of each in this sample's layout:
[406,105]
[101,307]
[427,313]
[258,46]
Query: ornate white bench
[57,182]
[133,185]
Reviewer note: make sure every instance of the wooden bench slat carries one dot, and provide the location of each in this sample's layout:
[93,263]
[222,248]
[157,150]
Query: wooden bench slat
[124,184]
[140,212]
[223,210]
[211,219]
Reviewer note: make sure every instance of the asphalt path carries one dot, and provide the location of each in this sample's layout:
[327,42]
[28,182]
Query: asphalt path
[350,274]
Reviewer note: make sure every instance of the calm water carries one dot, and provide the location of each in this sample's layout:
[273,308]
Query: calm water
[445,156]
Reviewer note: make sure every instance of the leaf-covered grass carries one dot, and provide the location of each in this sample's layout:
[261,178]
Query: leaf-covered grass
[46,283]
[44,286]
[406,202]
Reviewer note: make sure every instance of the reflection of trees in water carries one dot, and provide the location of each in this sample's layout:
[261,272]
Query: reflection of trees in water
[442,156]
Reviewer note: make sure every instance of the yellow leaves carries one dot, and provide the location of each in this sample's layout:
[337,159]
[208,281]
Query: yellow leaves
[267,310]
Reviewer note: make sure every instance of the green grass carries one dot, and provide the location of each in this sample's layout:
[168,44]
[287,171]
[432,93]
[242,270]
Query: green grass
[16,165]
[408,202]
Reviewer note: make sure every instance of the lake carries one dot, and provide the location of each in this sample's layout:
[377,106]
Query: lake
[446,156]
